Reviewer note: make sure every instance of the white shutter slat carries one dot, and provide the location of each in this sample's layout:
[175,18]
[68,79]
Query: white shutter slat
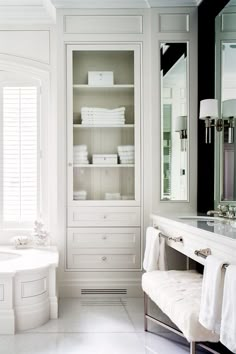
[20,154]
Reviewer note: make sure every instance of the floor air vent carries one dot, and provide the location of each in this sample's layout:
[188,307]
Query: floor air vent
[103,291]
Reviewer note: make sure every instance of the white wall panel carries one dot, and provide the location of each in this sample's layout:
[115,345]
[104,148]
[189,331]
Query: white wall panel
[1,292]
[228,22]
[174,23]
[103,24]
[33,45]
[33,288]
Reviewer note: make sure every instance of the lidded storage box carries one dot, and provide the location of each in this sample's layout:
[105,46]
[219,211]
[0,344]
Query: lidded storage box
[105,159]
[100,78]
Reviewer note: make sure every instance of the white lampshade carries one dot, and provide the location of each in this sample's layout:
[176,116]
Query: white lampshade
[209,108]
[229,108]
[180,123]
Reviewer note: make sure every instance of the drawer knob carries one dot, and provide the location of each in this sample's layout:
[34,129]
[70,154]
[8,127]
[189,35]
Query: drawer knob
[105,217]
[104,258]
[104,237]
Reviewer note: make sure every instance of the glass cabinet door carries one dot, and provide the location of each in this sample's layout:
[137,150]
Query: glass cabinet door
[103,124]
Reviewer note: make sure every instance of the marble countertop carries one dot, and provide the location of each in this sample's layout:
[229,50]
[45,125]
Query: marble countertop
[27,259]
[213,227]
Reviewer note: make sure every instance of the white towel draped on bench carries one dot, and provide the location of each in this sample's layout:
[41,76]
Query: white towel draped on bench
[154,257]
[212,294]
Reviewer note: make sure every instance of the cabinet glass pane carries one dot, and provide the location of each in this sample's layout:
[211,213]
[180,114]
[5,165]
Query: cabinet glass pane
[103,125]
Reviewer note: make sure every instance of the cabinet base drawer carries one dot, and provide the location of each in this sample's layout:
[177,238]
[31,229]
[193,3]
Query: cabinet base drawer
[103,261]
[103,248]
[84,238]
[104,216]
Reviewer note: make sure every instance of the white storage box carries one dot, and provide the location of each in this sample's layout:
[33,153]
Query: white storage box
[100,78]
[105,159]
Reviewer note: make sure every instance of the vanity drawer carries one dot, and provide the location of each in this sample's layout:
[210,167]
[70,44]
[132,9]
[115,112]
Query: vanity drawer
[103,248]
[103,216]
[80,238]
[102,260]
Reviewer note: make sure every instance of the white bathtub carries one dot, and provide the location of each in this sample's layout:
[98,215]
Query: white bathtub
[28,296]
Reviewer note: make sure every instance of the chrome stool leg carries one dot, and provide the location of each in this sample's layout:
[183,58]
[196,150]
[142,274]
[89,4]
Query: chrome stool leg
[145,312]
[192,348]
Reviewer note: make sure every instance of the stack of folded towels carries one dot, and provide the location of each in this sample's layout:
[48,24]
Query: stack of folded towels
[126,154]
[80,154]
[80,195]
[112,196]
[102,116]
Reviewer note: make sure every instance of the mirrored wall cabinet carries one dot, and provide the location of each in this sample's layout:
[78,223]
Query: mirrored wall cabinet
[103,115]
[174,121]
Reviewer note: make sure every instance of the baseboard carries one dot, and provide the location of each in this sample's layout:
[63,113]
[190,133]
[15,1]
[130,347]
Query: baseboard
[80,288]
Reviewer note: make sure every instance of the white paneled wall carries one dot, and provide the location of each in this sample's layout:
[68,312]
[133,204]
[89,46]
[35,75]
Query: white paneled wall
[147,28]
[42,49]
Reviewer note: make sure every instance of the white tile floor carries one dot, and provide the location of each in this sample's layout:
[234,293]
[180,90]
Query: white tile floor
[95,326]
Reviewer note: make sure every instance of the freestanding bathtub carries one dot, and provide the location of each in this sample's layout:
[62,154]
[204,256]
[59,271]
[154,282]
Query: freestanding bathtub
[28,295]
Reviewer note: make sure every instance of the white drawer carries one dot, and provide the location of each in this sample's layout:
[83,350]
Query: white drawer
[109,259]
[103,248]
[103,238]
[104,216]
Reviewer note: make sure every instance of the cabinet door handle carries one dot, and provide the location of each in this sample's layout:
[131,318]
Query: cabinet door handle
[70,164]
[104,258]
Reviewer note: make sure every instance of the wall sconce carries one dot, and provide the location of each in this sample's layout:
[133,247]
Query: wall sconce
[209,112]
[181,127]
[229,114]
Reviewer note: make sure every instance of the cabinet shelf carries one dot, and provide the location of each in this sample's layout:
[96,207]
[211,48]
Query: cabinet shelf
[103,166]
[83,126]
[100,88]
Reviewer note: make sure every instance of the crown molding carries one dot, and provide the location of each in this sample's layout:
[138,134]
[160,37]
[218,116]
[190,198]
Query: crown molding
[101,4]
[173,3]
[122,4]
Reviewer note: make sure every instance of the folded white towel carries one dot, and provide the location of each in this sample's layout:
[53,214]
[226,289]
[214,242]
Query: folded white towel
[123,148]
[110,123]
[126,154]
[80,153]
[103,115]
[154,256]
[112,196]
[101,110]
[80,148]
[212,294]
[103,121]
[80,192]
[228,321]
[128,161]
[81,162]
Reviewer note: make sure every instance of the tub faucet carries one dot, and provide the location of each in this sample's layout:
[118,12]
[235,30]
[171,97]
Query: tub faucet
[222,211]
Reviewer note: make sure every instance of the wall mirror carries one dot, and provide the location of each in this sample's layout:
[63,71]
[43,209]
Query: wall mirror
[225,143]
[174,121]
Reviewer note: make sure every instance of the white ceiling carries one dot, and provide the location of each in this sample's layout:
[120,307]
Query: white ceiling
[44,11]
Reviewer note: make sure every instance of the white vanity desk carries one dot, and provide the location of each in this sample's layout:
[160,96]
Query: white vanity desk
[217,234]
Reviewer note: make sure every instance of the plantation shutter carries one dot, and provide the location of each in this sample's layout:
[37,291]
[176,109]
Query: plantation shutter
[20,187]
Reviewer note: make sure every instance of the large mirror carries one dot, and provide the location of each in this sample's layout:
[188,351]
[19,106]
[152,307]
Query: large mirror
[225,143]
[174,121]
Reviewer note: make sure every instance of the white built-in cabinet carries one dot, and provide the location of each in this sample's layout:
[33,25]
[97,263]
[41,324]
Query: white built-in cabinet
[104,197]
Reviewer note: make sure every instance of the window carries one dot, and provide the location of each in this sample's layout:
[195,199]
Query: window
[20,182]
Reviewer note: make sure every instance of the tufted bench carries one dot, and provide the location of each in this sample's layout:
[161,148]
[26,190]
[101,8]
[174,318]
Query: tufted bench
[178,294]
